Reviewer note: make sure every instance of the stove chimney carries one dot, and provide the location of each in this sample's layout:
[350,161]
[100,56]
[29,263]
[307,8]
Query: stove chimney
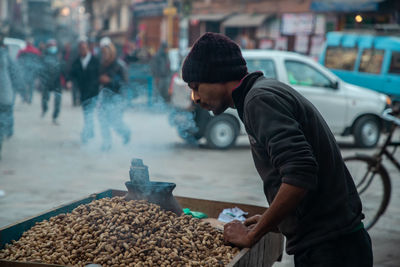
[140,187]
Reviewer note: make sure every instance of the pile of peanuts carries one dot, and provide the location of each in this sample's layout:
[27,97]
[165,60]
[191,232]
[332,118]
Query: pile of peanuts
[113,231]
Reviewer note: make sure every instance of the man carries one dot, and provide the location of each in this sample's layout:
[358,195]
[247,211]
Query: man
[85,76]
[50,79]
[113,80]
[313,200]
[9,83]
[29,60]
[160,68]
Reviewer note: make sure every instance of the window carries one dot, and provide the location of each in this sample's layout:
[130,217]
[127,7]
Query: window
[371,61]
[341,58]
[303,74]
[395,63]
[267,66]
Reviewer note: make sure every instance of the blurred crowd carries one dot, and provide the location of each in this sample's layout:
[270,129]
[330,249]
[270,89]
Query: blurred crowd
[102,78]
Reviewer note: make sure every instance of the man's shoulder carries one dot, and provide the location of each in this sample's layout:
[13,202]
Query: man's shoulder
[263,87]
[272,93]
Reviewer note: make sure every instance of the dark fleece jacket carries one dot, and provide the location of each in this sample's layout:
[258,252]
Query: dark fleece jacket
[291,143]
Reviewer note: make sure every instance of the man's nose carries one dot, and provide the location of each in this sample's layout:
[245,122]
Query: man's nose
[195,97]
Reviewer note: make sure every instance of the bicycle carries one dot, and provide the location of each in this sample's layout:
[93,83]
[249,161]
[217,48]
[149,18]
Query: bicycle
[373,185]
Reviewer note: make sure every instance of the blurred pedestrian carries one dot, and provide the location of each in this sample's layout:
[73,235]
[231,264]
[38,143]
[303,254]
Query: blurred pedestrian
[9,82]
[160,68]
[94,47]
[67,59]
[29,61]
[50,79]
[113,80]
[85,76]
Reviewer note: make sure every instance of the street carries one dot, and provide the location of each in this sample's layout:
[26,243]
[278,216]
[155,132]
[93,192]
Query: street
[45,165]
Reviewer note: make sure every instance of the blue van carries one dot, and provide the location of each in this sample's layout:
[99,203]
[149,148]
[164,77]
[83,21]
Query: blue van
[366,60]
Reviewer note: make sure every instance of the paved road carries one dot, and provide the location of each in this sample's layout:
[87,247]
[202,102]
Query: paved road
[45,165]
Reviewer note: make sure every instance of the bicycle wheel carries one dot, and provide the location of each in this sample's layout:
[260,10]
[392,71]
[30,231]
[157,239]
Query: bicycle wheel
[373,186]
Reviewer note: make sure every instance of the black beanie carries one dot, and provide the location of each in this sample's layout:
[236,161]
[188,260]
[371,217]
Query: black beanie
[214,58]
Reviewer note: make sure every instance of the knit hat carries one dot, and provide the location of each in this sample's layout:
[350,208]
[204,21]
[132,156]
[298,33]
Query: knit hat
[214,58]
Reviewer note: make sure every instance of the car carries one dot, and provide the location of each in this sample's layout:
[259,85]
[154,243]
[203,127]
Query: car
[348,109]
[14,46]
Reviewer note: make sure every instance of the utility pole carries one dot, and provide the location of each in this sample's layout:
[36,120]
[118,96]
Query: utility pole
[170,12]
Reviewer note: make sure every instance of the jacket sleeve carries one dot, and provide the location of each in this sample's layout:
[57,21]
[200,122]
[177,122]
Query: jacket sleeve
[271,119]
[16,75]
[73,75]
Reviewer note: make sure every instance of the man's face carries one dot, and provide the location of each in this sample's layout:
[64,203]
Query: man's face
[211,96]
[83,49]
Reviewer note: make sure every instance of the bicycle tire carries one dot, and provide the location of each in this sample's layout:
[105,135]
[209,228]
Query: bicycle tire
[374,190]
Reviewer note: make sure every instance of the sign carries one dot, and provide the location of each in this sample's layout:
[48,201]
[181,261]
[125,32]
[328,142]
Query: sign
[293,24]
[301,43]
[149,9]
[266,44]
[281,43]
[170,11]
[320,24]
[317,42]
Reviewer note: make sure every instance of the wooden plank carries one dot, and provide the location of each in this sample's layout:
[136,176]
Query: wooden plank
[237,258]
[273,248]
[260,252]
[243,262]
[23,264]
[213,208]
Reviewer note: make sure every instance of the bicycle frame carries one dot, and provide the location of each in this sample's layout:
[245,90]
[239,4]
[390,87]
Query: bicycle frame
[388,142]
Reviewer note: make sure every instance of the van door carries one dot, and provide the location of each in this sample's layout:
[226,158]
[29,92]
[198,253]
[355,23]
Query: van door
[392,76]
[319,90]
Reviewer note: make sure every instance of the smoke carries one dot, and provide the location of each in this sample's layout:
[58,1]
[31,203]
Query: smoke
[185,124]
[53,166]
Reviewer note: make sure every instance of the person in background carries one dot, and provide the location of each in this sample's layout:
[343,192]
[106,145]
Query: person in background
[113,80]
[85,76]
[94,47]
[42,47]
[9,83]
[67,58]
[160,68]
[50,79]
[29,60]
[130,53]
[312,196]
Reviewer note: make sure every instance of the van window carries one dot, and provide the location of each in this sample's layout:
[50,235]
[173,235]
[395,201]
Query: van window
[341,58]
[300,73]
[371,61]
[267,66]
[395,63]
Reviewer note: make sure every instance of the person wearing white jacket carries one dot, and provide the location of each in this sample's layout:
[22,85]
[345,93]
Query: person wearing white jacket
[7,93]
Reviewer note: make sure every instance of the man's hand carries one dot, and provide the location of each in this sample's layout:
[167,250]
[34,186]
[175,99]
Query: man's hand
[252,221]
[104,79]
[237,234]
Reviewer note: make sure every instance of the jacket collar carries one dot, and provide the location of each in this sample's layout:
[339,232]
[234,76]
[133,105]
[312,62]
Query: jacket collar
[240,92]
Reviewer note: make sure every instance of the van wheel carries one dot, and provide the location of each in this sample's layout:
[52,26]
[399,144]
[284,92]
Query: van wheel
[366,132]
[221,132]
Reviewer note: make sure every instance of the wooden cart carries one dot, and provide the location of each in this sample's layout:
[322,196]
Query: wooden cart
[263,254]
